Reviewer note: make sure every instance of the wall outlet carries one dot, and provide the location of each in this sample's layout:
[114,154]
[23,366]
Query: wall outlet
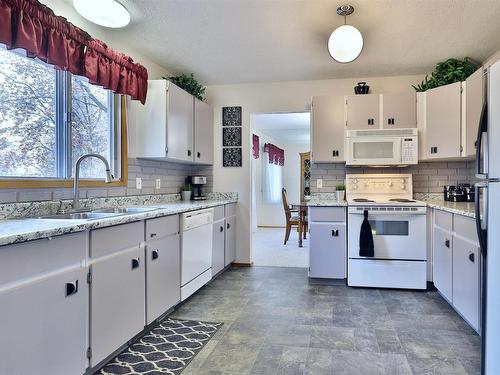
[319,183]
[158,183]
[138,183]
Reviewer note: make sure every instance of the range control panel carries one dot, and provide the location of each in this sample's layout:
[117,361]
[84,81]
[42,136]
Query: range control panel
[379,185]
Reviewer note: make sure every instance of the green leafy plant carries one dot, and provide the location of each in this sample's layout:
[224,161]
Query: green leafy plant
[446,72]
[186,187]
[340,187]
[190,84]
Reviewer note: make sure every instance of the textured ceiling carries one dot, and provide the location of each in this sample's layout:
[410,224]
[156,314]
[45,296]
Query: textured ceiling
[238,41]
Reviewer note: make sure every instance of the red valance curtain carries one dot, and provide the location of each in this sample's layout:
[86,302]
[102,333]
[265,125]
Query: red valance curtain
[30,25]
[255,146]
[276,154]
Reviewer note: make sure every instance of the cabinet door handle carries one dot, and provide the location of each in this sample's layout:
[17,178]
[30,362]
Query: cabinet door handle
[189,152]
[335,232]
[228,226]
[152,235]
[71,288]
[135,262]
[221,229]
[198,154]
[472,257]
[154,254]
[447,243]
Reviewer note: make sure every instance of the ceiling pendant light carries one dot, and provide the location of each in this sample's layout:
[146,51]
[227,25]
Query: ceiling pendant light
[108,13]
[346,42]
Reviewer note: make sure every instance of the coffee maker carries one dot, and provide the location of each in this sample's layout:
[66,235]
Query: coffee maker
[197,182]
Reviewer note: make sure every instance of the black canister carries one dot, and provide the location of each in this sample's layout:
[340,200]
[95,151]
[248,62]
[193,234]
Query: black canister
[469,194]
[447,190]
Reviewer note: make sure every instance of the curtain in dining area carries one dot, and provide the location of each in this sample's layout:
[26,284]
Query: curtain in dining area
[272,173]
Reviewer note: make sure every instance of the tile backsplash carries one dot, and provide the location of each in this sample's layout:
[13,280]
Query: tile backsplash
[428,177]
[172,175]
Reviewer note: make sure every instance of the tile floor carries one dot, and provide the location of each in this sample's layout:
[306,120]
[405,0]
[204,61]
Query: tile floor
[275,322]
[268,249]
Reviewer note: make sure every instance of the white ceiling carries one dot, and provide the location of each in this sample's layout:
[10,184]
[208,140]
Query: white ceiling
[237,41]
[289,128]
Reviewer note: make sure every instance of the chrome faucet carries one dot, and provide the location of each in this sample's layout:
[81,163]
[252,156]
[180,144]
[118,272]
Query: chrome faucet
[76,181]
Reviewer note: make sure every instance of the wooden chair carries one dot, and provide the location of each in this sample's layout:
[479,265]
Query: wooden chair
[292,216]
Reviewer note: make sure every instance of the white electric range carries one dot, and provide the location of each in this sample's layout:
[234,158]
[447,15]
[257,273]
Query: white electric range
[399,232]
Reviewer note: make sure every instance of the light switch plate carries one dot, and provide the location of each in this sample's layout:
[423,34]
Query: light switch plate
[319,183]
[138,183]
[158,183]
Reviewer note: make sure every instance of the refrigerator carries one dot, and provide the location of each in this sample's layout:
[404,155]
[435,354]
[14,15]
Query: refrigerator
[488,218]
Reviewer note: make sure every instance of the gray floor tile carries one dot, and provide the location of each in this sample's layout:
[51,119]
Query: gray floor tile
[278,323]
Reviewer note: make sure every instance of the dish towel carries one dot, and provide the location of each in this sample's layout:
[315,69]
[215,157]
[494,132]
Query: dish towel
[366,248]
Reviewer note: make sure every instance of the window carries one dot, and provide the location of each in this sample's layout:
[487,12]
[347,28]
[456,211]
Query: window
[49,118]
[272,182]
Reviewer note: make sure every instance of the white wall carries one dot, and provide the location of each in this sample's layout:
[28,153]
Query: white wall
[272,214]
[269,98]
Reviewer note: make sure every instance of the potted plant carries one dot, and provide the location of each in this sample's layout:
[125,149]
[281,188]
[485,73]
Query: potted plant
[190,84]
[186,192]
[446,72]
[340,192]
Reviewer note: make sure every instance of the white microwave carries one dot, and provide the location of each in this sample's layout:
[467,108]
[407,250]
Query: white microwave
[381,147]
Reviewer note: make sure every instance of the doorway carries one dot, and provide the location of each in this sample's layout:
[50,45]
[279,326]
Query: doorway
[281,143]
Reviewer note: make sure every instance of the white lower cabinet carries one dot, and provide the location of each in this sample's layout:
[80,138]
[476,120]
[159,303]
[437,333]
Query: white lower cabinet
[457,264]
[230,241]
[466,280]
[163,287]
[218,247]
[117,301]
[44,324]
[442,273]
[327,242]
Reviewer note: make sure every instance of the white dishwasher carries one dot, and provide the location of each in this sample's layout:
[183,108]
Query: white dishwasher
[196,250]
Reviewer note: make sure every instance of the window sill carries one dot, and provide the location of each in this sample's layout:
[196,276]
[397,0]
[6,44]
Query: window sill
[49,183]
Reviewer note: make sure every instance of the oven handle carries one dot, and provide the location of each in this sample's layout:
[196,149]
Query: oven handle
[398,213]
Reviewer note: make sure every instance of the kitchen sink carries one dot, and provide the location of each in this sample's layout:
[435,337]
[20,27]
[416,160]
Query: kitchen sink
[81,216]
[125,210]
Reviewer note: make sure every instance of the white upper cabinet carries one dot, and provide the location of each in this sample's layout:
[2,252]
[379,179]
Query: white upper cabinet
[203,133]
[474,97]
[399,110]
[327,129]
[166,126]
[448,117]
[362,111]
[443,122]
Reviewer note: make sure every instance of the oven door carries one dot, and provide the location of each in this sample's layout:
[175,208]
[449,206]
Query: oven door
[373,150]
[396,235]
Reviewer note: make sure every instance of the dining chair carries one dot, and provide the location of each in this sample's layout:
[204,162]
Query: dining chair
[292,216]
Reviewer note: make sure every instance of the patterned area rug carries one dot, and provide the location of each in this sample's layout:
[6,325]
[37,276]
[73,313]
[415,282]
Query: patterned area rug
[167,349]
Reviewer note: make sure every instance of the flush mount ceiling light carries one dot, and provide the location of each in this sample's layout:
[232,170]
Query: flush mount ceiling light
[346,42]
[108,13]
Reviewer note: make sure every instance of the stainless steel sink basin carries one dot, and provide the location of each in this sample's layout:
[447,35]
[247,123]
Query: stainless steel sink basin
[125,210]
[81,216]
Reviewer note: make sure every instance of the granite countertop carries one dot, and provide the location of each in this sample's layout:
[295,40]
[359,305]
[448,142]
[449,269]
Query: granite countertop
[314,202]
[460,208]
[22,230]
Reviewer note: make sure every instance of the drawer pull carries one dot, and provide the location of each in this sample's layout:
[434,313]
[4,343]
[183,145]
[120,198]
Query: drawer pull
[335,232]
[152,235]
[447,243]
[154,254]
[228,226]
[71,288]
[221,229]
[198,154]
[135,263]
[472,257]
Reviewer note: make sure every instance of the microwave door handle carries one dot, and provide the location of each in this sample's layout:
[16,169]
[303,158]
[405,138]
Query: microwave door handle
[481,211]
[481,132]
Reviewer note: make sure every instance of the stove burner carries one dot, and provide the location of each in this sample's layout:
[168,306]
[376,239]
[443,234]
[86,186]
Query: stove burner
[362,200]
[401,200]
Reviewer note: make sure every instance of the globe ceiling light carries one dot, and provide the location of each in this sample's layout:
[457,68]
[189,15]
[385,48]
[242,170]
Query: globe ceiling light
[108,13]
[346,42]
